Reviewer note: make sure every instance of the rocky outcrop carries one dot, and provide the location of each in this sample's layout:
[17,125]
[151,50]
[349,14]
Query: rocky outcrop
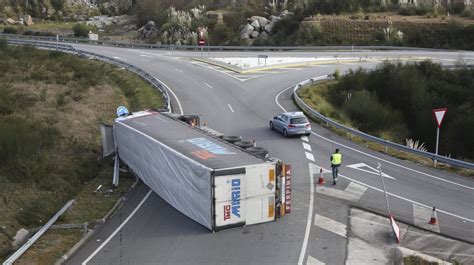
[260,27]
[149,30]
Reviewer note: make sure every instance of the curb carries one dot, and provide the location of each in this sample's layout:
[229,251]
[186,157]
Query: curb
[91,232]
[75,248]
[400,252]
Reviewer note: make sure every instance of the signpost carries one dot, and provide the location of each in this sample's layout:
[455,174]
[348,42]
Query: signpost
[201,43]
[439,116]
[263,57]
[395,228]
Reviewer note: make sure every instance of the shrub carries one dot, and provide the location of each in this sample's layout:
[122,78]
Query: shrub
[10,30]
[80,30]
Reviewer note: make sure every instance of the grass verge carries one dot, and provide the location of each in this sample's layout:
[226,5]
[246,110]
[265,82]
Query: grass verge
[316,97]
[50,107]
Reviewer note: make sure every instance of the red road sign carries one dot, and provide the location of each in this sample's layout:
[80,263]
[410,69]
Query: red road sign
[439,115]
[201,42]
[395,228]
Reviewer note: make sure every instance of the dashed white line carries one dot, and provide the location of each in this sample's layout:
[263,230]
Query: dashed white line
[366,154]
[209,86]
[305,138]
[118,229]
[309,156]
[307,146]
[144,55]
[230,107]
[179,70]
[330,225]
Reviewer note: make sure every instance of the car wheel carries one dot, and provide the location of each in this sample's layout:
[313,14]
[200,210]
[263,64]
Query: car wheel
[271,126]
[285,133]
[308,134]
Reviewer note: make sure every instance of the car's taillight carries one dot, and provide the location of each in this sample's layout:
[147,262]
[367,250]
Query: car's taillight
[291,126]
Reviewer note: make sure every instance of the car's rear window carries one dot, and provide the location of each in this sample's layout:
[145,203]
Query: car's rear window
[299,120]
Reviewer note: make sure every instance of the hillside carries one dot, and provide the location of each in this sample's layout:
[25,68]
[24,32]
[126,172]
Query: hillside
[50,107]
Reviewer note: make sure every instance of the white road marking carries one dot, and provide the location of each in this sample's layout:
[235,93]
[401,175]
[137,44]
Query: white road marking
[144,55]
[179,70]
[422,216]
[305,138]
[312,170]
[174,95]
[330,225]
[119,58]
[356,190]
[118,229]
[230,107]
[369,155]
[145,60]
[314,261]
[209,86]
[353,194]
[372,170]
[309,156]
[307,146]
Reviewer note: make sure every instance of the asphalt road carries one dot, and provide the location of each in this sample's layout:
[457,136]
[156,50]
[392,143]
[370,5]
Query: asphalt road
[148,231]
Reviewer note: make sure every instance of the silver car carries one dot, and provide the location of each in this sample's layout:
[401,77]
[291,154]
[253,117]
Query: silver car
[291,123]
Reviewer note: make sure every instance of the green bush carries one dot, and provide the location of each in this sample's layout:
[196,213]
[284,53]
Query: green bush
[400,97]
[10,30]
[80,30]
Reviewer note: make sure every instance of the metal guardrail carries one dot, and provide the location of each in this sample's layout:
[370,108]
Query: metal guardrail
[318,116]
[38,234]
[208,48]
[157,84]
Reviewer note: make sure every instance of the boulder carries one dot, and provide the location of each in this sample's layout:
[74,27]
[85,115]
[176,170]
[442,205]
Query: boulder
[263,35]
[247,29]
[255,24]
[20,238]
[27,20]
[244,36]
[269,28]
[254,34]
[10,21]
[262,21]
[275,19]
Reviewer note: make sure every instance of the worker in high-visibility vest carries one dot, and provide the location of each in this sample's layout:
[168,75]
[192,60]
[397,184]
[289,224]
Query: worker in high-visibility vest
[336,160]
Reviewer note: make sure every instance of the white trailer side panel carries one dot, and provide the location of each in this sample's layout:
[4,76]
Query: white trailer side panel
[181,182]
[260,209]
[260,180]
[230,199]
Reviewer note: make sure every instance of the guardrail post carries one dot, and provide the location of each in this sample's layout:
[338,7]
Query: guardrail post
[386,149]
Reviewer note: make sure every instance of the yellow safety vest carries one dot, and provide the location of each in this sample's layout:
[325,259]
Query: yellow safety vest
[336,159]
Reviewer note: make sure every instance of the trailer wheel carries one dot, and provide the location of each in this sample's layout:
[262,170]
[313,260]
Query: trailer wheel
[232,139]
[271,126]
[258,151]
[244,144]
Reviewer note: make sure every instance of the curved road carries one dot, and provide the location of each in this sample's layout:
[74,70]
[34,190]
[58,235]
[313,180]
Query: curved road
[148,231]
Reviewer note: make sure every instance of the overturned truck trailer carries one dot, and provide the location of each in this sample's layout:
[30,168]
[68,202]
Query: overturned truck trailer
[213,182]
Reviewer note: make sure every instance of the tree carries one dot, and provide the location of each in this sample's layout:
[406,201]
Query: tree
[58,5]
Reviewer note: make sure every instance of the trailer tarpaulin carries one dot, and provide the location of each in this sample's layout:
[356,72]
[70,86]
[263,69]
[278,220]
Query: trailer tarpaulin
[180,181]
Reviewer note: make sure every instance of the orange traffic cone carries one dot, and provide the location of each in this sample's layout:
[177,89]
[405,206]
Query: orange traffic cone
[434,217]
[321,180]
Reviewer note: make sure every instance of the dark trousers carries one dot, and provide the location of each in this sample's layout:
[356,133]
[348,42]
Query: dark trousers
[335,170]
